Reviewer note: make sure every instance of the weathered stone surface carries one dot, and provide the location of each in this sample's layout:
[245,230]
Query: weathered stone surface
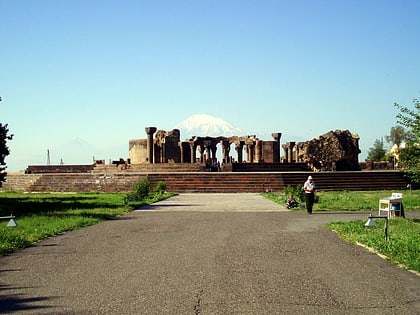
[333,151]
[138,151]
[204,182]
[167,148]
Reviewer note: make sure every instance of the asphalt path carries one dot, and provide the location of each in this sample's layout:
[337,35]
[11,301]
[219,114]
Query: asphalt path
[206,254]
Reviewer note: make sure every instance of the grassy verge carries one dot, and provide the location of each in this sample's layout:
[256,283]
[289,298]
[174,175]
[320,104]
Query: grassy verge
[403,247]
[352,200]
[47,214]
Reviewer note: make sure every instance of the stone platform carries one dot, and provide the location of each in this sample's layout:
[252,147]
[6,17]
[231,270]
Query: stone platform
[217,182]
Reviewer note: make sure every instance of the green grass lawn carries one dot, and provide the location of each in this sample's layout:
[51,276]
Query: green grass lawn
[47,214]
[352,200]
[403,247]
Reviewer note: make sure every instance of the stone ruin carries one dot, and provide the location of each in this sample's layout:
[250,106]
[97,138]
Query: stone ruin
[166,147]
[333,151]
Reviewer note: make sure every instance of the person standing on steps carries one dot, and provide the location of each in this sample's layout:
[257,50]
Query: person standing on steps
[309,188]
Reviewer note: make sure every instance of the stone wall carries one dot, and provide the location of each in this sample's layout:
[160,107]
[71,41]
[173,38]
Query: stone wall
[270,152]
[37,169]
[138,151]
[166,146]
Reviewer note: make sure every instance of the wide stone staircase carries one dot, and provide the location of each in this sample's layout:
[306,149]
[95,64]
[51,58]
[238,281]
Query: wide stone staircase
[212,182]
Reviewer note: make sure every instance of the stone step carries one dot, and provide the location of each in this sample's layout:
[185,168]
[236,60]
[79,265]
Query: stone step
[205,181]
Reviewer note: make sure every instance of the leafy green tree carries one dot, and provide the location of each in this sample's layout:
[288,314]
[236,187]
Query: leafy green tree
[410,118]
[398,135]
[410,154]
[4,150]
[377,152]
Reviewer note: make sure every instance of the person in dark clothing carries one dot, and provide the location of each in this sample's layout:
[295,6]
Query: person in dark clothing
[291,202]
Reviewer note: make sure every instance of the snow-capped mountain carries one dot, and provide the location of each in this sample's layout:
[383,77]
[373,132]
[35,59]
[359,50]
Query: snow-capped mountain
[206,125]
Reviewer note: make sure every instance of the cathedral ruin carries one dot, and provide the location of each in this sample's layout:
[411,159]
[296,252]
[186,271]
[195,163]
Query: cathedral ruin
[163,151]
[165,147]
[335,150]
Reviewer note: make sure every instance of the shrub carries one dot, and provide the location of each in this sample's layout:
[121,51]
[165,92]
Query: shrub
[141,190]
[160,187]
[296,191]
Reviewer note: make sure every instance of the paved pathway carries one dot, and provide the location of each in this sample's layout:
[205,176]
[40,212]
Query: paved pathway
[206,254]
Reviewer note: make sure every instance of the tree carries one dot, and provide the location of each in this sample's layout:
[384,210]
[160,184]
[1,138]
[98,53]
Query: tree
[4,150]
[398,135]
[410,154]
[377,152]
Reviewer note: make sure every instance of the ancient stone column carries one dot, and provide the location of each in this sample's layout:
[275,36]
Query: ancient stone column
[213,152]
[226,150]
[181,151]
[297,154]
[291,145]
[258,151]
[200,150]
[286,152]
[163,158]
[150,131]
[158,153]
[276,153]
[250,152]
[193,148]
[276,136]
[239,147]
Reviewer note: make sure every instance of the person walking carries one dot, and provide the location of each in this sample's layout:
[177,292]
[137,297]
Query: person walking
[309,188]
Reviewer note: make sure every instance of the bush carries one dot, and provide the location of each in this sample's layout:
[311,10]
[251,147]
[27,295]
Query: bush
[296,191]
[160,187]
[141,190]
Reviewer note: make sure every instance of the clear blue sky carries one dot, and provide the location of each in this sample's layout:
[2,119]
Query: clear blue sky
[101,71]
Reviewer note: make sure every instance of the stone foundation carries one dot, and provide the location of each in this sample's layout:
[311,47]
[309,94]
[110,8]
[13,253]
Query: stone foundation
[183,182]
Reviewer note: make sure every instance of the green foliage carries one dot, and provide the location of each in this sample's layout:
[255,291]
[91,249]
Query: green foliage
[377,152]
[410,154]
[398,135]
[44,215]
[348,200]
[410,118]
[141,190]
[4,150]
[160,187]
[404,239]
[410,159]
[296,191]
[24,204]
[363,200]
[352,200]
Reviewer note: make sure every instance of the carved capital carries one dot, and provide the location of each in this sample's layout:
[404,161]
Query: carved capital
[150,130]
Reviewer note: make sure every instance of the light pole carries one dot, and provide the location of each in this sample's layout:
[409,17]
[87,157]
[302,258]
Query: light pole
[371,222]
